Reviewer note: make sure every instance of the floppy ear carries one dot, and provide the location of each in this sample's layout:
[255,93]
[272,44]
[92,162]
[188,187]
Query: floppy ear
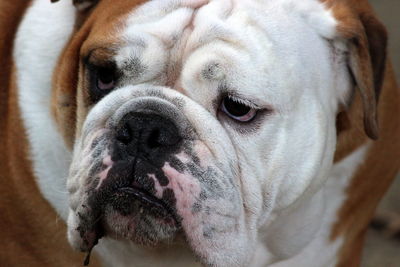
[367,42]
[81,5]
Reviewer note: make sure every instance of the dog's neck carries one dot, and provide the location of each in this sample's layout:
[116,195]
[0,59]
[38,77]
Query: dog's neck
[302,234]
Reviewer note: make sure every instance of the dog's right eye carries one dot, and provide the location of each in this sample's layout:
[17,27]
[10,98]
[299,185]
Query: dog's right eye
[237,110]
[102,81]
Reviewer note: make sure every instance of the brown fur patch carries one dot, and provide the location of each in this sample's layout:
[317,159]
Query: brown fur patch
[358,24]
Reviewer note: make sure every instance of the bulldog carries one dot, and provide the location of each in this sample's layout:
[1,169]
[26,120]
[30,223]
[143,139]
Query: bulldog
[193,132]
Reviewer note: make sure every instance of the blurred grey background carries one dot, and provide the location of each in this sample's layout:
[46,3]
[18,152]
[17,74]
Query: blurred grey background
[381,251]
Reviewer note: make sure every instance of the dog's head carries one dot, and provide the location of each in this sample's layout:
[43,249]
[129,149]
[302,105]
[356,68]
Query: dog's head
[197,120]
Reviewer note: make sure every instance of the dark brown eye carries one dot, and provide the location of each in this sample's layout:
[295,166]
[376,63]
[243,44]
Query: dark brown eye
[105,79]
[237,110]
[102,81]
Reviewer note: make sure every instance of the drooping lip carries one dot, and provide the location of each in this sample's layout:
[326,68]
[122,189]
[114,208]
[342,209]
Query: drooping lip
[125,201]
[152,204]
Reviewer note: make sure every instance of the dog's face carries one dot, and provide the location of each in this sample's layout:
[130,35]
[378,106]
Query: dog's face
[197,120]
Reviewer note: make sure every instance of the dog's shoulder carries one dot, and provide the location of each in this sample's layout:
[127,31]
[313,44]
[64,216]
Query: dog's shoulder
[31,233]
[11,13]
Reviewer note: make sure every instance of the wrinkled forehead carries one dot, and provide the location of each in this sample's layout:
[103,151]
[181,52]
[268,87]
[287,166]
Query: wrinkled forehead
[110,19]
[168,41]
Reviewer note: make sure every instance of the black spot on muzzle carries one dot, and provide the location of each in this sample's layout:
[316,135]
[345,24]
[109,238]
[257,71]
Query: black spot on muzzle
[150,135]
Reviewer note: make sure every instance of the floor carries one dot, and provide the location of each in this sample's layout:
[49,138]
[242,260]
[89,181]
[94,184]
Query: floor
[381,251]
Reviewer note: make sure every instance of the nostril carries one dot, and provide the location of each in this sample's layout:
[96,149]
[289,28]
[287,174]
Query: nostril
[124,134]
[163,137]
[153,140]
[170,138]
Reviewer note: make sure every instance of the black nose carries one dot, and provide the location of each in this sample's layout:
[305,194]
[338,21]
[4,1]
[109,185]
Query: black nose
[149,134]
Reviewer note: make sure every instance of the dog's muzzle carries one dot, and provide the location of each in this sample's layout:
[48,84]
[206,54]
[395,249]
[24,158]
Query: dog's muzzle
[142,171]
[130,196]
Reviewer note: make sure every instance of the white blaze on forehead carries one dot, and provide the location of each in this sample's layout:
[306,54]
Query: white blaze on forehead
[315,14]
[266,49]
[150,33]
[251,46]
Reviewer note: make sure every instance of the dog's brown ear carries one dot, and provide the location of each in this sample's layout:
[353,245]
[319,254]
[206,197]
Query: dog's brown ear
[367,42]
[81,5]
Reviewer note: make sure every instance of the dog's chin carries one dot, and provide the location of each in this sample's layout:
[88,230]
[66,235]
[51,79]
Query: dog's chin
[129,214]
[145,230]
[144,220]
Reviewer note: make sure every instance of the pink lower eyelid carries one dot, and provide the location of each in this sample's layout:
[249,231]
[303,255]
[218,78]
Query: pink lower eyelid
[105,86]
[247,117]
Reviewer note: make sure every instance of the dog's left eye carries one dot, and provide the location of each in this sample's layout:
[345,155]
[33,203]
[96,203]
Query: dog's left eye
[237,110]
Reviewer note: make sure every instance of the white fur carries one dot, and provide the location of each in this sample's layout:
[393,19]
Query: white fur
[287,180]
[234,34]
[320,251]
[40,39]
